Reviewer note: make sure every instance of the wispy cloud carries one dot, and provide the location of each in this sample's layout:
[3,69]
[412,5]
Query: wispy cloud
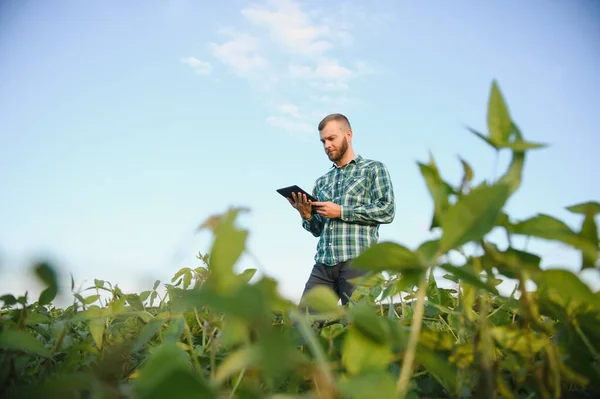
[200,67]
[240,53]
[282,48]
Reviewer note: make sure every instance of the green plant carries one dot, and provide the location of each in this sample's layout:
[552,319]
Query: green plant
[213,333]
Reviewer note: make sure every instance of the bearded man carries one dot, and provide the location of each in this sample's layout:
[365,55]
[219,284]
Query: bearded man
[355,197]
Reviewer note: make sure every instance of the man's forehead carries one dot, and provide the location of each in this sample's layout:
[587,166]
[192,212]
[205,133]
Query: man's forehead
[332,128]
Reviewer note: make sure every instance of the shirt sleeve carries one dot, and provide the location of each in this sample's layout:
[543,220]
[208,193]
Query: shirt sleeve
[316,222]
[382,210]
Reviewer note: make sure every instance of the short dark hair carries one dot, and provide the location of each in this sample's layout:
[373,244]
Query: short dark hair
[333,117]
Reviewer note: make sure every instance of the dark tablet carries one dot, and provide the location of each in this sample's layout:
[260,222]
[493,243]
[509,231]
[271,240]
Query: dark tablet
[287,192]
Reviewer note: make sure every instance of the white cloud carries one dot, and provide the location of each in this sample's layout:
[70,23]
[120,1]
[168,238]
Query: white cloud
[290,109]
[240,54]
[286,51]
[290,125]
[200,67]
[290,27]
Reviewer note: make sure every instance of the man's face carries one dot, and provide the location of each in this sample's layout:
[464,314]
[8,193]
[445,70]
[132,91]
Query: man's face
[335,140]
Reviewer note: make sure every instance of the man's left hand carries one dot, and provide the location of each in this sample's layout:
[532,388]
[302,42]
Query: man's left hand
[328,209]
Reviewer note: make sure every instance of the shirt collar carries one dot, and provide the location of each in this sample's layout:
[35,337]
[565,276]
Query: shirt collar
[357,158]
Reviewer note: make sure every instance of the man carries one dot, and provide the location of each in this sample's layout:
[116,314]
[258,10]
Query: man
[354,197]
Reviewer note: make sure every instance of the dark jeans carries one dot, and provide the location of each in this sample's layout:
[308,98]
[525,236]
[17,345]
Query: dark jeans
[335,277]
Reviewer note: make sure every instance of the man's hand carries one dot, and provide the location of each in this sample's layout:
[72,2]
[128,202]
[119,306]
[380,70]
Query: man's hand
[328,209]
[302,204]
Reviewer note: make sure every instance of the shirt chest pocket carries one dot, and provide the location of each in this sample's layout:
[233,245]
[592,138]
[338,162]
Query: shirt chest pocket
[356,190]
[326,193]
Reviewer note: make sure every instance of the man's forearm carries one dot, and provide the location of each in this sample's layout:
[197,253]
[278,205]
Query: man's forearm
[378,213]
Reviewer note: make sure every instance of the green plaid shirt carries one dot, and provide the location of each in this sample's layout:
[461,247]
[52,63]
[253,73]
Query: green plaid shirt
[363,189]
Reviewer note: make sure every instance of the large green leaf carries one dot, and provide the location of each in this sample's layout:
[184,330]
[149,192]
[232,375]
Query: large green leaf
[565,289]
[361,354]
[235,361]
[588,232]
[168,372]
[228,246]
[483,137]
[468,276]
[365,319]
[388,256]
[585,208]
[438,189]
[498,117]
[322,299]
[22,341]
[47,275]
[439,366]
[550,228]
[512,262]
[473,215]
[369,385]
[522,341]
[512,177]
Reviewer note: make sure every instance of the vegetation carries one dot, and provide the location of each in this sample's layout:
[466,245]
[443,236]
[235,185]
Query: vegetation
[214,333]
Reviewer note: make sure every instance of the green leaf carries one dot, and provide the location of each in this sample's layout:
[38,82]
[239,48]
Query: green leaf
[8,299]
[48,295]
[247,275]
[180,273]
[372,326]
[483,137]
[168,372]
[227,247]
[91,299]
[468,276]
[473,215]
[47,275]
[566,290]
[438,189]
[521,146]
[187,280]
[585,208]
[442,370]
[362,386]
[98,283]
[361,354]
[97,327]
[21,341]
[135,301]
[388,256]
[513,175]
[321,299]
[518,340]
[588,232]
[550,228]
[332,331]
[467,172]
[234,362]
[513,262]
[428,251]
[498,117]
[148,332]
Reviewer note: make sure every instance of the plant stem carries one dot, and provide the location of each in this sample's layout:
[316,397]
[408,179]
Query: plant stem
[449,328]
[585,339]
[413,340]
[313,344]
[237,383]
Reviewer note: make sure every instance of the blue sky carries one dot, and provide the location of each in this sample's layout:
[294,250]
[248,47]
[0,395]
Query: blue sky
[123,125]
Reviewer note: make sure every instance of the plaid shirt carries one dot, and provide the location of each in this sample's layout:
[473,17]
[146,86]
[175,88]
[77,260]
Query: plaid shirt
[363,189]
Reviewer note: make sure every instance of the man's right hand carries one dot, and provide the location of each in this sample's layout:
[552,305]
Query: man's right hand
[302,204]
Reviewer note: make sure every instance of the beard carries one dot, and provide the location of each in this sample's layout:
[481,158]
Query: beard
[337,154]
